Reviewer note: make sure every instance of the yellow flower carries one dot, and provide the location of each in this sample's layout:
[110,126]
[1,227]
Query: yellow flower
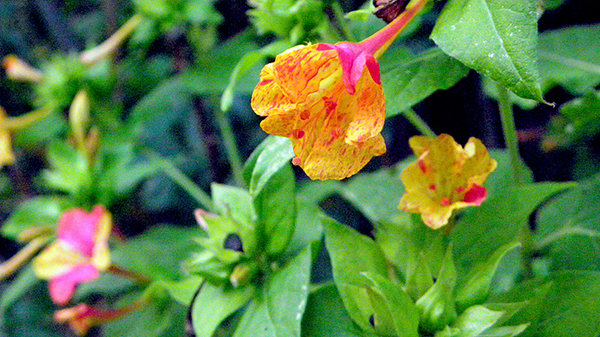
[328,100]
[78,255]
[445,177]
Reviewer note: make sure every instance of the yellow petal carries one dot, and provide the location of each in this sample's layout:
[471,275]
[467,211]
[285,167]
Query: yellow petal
[57,259]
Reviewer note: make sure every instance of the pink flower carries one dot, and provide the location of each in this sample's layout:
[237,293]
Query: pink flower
[78,255]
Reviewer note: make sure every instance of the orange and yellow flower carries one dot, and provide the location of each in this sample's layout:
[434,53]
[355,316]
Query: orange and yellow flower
[328,100]
[445,177]
[78,255]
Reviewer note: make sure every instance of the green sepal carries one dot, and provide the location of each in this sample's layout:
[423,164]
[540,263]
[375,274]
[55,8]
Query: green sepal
[210,267]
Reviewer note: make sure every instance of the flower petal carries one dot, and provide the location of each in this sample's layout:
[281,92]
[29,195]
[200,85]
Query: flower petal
[58,258]
[78,229]
[63,286]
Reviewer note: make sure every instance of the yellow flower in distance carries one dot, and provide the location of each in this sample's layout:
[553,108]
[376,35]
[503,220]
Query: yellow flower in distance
[328,100]
[445,177]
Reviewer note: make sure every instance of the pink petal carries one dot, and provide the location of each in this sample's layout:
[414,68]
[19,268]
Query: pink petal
[78,229]
[63,286]
[476,195]
[373,67]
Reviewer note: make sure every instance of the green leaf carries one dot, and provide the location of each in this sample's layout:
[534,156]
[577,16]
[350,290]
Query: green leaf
[568,57]
[267,160]
[377,195]
[36,212]
[583,115]
[569,308]
[182,291]
[272,186]
[278,310]
[23,283]
[352,254]
[163,317]
[70,171]
[475,287]
[404,313]
[415,249]
[44,131]
[172,244]
[474,321]
[308,226]
[325,316]
[496,38]
[436,306]
[497,222]
[214,304]
[233,201]
[408,79]
[569,226]
[241,68]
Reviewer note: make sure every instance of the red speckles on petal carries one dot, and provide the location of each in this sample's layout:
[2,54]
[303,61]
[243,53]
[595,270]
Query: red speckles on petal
[297,133]
[304,115]
[422,166]
[460,189]
[445,202]
[296,161]
[432,187]
[330,105]
[476,195]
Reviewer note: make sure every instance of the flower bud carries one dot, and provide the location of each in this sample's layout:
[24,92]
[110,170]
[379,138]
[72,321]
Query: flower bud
[19,70]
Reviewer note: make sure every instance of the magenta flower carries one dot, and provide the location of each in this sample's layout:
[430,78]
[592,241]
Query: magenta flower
[78,255]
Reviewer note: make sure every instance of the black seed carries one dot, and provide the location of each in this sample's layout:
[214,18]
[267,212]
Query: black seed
[233,242]
[372,320]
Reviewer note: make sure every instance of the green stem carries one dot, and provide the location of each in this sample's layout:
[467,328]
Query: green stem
[233,154]
[510,135]
[419,123]
[340,20]
[511,141]
[183,181]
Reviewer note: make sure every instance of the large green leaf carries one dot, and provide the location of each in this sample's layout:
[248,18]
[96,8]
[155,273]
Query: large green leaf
[569,226]
[408,79]
[496,38]
[482,231]
[566,304]
[277,311]
[569,57]
[352,254]
[214,304]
